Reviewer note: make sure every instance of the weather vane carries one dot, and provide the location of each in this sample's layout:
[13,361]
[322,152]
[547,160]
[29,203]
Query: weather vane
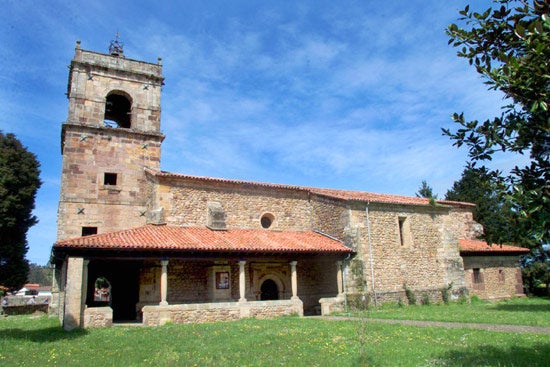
[116,48]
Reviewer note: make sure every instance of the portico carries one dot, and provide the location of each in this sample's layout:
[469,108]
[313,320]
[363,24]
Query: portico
[171,279]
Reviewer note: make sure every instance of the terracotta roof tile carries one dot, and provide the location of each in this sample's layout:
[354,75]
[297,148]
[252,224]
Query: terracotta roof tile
[333,193]
[193,239]
[481,247]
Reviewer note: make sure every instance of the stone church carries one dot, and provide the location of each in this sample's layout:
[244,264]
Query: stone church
[138,243]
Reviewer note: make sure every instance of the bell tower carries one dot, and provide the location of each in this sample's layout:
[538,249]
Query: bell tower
[112,134]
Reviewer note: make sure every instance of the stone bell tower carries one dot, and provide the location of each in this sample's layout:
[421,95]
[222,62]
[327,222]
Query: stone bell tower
[111,135]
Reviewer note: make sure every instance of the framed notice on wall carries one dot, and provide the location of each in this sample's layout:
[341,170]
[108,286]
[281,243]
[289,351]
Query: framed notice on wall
[222,280]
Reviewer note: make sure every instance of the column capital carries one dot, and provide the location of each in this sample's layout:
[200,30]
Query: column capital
[164,262]
[293,263]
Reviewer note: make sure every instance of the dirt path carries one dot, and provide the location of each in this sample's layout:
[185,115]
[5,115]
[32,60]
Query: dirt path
[489,327]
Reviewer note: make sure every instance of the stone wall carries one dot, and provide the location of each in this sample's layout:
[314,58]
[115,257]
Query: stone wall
[94,75]
[24,309]
[408,245]
[98,317]
[329,216]
[185,202]
[500,276]
[222,311]
[85,200]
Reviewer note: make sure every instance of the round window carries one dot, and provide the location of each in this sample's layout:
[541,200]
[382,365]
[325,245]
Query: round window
[267,220]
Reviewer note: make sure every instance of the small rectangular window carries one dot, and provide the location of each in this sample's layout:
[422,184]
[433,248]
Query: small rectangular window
[404,228]
[110,179]
[87,231]
[401,230]
[501,277]
[478,279]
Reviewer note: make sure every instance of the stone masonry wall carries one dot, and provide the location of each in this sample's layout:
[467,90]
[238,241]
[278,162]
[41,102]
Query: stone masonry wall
[94,75]
[422,262]
[500,276]
[329,216]
[185,203]
[85,201]
[222,311]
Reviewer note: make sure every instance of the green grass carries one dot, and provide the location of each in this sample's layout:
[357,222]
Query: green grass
[286,341]
[519,311]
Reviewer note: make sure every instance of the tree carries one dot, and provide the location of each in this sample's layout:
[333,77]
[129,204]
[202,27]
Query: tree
[19,181]
[480,187]
[425,191]
[509,45]
[536,271]
[40,274]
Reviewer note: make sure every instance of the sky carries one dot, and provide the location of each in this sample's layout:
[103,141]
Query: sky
[334,94]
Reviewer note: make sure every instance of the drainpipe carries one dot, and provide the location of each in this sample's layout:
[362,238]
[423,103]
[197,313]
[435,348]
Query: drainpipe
[370,255]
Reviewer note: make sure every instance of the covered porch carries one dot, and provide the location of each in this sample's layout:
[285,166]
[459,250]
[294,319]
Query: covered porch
[158,274]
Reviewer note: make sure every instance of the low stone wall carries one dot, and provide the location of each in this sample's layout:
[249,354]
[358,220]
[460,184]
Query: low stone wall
[332,304]
[223,311]
[25,309]
[98,317]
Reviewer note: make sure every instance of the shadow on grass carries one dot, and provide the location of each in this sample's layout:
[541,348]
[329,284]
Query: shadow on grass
[522,308]
[536,355]
[45,335]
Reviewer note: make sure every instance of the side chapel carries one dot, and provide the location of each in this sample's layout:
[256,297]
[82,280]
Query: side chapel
[138,243]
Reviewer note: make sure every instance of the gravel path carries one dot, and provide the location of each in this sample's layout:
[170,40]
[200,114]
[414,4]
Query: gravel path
[489,327]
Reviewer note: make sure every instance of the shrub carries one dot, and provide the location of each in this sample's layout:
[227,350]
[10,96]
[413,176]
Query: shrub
[410,295]
[446,293]
[425,299]
[359,301]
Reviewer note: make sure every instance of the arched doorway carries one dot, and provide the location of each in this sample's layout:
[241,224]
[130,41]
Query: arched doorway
[269,290]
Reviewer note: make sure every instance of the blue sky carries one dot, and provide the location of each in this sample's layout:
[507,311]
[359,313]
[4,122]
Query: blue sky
[346,94]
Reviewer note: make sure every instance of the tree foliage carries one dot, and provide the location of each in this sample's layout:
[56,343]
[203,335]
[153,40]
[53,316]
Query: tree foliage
[19,181]
[480,187]
[509,45]
[425,191]
[536,271]
[40,274]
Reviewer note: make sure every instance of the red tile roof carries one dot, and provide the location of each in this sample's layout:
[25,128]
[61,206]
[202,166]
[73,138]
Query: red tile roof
[202,239]
[332,193]
[481,247]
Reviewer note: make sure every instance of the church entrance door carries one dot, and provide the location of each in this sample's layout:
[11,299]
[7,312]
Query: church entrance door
[269,290]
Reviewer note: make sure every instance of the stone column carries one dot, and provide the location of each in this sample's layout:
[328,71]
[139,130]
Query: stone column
[242,279]
[164,283]
[84,286]
[339,278]
[53,308]
[294,279]
[75,292]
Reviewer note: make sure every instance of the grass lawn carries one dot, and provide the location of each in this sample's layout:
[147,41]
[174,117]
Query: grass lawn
[286,341]
[519,311]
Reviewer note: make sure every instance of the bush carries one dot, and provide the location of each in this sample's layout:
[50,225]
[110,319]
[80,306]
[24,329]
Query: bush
[426,299]
[446,293]
[410,295]
[359,301]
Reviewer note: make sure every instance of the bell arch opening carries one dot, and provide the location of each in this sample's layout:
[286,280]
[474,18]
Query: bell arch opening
[118,110]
